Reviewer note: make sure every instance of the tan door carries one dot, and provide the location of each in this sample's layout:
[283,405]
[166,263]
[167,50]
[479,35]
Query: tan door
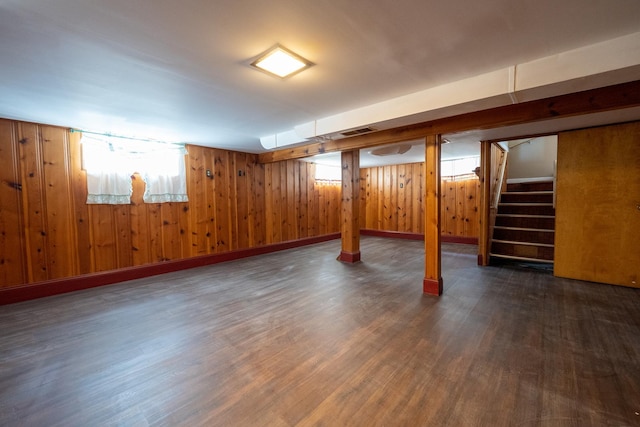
[598,205]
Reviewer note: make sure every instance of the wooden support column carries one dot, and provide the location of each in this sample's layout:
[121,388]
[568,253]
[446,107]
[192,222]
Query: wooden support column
[350,226]
[432,283]
[485,203]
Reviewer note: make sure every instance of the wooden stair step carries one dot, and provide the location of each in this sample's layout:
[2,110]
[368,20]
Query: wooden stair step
[519,258]
[527,249]
[521,234]
[525,221]
[527,197]
[512,242]
[527,208]
[530,186]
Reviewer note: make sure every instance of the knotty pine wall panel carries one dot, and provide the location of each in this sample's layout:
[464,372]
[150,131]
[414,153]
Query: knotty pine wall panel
[298,206]
[460,207]
[47,231]
[392,200]
[30,154]
[12,233]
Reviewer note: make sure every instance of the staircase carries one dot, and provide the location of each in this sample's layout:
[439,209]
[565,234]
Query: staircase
[525,223]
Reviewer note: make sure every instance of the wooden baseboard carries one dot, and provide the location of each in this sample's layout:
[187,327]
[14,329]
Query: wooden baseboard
[86,281]
[416,236]
[432,287]
[391,234]
[459,239]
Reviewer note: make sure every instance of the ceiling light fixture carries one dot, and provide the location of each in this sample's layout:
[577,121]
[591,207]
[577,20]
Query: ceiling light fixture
[390,150]
[281,62]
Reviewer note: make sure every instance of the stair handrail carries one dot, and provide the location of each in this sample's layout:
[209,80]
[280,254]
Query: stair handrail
[499,179]
[555,171]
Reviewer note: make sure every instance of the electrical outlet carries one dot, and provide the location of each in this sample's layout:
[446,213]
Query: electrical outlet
[209,174]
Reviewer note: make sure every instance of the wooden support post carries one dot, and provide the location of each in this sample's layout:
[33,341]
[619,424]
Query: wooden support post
[350,226]
[432,263]
[485,202]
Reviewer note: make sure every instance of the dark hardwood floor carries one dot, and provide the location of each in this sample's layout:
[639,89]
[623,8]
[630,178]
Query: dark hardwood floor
[297,338]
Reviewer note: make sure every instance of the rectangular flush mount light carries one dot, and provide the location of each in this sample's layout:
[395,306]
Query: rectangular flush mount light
[281,62]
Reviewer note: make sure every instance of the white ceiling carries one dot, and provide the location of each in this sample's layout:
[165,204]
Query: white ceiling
[179,71]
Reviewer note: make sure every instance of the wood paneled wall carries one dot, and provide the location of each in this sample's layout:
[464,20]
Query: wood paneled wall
[392,200]
[296,205]
[47,231]
[460,208]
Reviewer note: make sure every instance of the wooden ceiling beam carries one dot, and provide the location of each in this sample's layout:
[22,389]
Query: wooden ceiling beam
[625,95]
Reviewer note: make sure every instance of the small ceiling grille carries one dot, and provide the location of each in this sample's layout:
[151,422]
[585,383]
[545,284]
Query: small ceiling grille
[359,131]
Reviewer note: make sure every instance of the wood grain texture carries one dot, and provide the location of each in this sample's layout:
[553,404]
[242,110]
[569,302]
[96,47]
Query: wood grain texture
[485,233]
[393,201]
[598,205]
[433,283]
[49,232]
[350,206]
[279,340]
[12,239]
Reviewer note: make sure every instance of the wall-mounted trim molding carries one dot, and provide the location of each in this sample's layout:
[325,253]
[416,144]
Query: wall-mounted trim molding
[86,281]
[391,234]
[416,236]
[459,239]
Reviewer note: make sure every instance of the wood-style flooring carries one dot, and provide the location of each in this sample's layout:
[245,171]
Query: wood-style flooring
[297,338]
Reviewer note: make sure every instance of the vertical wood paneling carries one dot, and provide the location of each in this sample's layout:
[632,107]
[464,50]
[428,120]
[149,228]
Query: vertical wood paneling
[60,221]
[322,209]
[242,196]
[313,201]
[363,199]
[371,197]
[48,230]
[461,195]
[233,172]
[401,203]
[380,208]
[223,228]
[199,188]
[387,193]
[78,197]
[449,207]
[122,225]
[417,194]
[285,220]
[33,200]
[103,236]
[171,242]
[259,204]
[471,208]
[389,207]
[303,200]
[12,258]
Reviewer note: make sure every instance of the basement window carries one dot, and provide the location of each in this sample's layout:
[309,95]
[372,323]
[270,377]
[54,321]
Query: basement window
[110,162]
[327,173]
[459,168]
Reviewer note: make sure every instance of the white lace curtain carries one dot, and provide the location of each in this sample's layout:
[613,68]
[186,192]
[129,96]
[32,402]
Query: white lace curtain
[110,162]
